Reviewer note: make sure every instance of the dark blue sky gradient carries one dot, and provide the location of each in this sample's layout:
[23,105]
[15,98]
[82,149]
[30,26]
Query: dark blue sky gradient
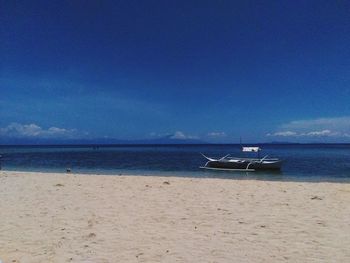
[129,69]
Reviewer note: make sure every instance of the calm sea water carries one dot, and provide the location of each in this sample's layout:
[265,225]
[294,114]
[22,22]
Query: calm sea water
[324,162]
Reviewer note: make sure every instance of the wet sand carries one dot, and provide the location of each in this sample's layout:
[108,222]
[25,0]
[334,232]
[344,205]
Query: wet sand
[47,217]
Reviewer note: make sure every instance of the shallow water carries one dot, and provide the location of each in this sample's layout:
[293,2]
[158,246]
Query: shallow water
[302,162]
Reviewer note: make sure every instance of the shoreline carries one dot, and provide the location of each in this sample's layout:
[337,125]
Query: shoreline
[68,217]
[253,176]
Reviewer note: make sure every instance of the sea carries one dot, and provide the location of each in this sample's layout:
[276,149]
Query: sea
[301,162]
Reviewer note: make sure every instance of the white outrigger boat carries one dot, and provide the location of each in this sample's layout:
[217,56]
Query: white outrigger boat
[228,163]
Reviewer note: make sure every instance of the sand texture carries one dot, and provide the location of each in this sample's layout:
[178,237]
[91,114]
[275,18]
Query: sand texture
[93,218]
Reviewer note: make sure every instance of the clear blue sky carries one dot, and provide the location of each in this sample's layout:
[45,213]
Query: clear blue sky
[214,70]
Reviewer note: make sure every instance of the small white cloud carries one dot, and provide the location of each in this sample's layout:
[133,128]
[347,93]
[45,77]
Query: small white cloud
[321,133]
[217,134]
[179,135]
[18,130]
[283,133]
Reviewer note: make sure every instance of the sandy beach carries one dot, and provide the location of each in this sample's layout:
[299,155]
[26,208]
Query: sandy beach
[47,217]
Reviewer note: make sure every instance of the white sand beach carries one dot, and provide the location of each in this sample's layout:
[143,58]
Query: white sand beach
[47,217]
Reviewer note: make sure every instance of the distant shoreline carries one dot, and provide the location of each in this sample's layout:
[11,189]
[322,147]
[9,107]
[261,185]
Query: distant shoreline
[161,144]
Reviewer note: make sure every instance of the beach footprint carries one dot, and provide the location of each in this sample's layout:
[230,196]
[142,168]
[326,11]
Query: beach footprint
[92,221]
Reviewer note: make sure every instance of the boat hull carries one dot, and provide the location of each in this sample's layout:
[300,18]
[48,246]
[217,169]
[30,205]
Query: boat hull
[242,164]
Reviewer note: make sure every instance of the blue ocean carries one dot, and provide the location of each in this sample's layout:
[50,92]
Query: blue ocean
[301,162]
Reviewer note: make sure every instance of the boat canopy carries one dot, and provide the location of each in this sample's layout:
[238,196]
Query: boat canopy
[251,149]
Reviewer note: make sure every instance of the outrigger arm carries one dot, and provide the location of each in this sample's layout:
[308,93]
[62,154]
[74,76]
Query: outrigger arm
[260,161]
[208,158]
[211,159]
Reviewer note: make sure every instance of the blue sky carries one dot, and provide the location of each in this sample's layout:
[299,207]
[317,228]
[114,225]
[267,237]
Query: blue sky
[213,70]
